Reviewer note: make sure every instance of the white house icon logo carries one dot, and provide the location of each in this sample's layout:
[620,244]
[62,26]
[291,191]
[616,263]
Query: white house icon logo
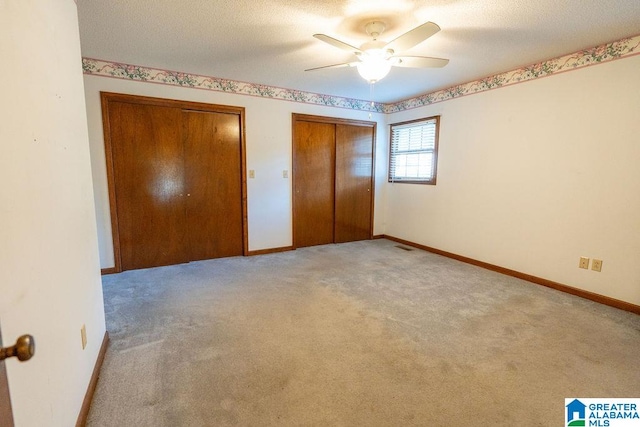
[576,413]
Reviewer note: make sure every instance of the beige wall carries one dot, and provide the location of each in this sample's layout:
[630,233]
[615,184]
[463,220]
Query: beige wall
[49,267]
[268,132]
[533,176]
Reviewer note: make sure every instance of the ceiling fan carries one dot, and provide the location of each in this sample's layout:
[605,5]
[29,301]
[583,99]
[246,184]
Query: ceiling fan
[375,58]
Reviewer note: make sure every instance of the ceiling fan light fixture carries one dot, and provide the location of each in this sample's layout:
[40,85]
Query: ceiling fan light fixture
[374,71]
[374,66]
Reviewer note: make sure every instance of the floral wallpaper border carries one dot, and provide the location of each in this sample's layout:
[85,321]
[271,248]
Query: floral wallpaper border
[599,54]
[603,53]
[174,78]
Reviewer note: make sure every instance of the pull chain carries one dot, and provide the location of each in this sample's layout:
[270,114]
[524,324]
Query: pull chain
[371,92]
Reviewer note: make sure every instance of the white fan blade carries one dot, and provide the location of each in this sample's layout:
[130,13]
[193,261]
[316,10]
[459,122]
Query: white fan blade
[346,64]
[419,62]
[413,37]
[336,43]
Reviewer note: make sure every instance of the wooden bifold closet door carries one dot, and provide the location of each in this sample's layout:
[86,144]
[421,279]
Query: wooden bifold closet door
[333,180]
[213,178]
[313,175]
[176,181]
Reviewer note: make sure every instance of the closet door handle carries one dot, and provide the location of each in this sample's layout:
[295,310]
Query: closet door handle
[23,349]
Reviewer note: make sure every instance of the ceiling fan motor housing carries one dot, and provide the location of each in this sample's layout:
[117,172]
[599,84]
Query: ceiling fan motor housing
[376,46]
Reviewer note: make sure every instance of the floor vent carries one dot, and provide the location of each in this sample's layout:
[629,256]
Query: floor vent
[404,248]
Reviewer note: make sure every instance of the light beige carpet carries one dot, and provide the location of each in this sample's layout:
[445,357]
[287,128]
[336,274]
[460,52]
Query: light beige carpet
[357,334]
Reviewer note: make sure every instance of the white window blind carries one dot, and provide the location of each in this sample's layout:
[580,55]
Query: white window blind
[414,151]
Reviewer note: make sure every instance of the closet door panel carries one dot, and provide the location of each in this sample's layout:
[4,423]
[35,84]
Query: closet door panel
[314,158]
[354,170]
[148,176]
[213,176]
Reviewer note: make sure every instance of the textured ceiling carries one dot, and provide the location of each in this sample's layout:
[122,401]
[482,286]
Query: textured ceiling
[270,42]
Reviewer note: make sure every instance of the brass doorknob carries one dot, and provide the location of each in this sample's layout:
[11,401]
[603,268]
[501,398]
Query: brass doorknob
[24,349]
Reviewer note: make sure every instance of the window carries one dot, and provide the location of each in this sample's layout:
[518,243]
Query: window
[414,151]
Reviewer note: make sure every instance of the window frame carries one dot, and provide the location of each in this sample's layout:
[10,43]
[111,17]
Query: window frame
[433,179]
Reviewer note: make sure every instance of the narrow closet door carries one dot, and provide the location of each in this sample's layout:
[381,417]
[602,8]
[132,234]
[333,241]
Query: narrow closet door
[313,163]
[148,177]
[213,176]
[354,174]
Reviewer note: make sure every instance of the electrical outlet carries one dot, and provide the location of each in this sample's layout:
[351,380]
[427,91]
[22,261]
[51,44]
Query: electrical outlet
[83,335]
[285,174]
[596,265]
[252,174]
[584,262]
